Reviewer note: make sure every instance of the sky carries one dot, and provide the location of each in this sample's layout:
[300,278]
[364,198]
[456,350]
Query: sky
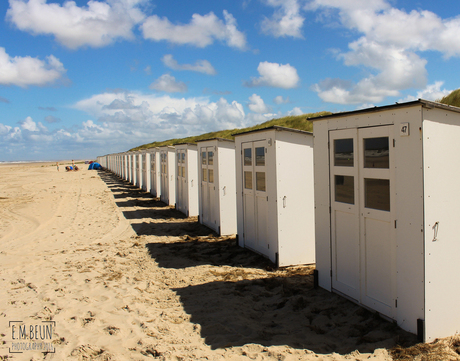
[79,79]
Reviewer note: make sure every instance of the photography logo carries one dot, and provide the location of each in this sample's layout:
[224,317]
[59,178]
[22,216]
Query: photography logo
[32,337]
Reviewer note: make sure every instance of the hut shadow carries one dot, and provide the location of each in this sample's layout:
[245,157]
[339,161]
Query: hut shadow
[285,311]
[137,204]
[211,250]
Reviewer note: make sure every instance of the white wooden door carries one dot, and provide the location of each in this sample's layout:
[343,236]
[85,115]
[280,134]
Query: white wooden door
[208,188]
[362,216]
[255,200]
[153,186]
[344,212]
[164,177]
[377,221]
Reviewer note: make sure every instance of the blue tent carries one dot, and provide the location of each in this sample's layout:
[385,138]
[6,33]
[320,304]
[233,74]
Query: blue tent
[95,165]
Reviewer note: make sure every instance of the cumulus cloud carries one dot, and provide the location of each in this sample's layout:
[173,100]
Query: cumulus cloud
[257,104]
[98,24]
[275,75]
[390,47]
[281,100]
[25,71]
[286,21]
[201,66]
[202,31]
[167,83]
[432,92]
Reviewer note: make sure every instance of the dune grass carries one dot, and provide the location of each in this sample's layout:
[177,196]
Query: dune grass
[452,99]
[299,122]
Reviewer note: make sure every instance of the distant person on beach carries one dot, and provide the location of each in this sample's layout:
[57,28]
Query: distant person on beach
[57,166]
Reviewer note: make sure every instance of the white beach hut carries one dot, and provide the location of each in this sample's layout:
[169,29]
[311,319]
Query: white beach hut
[168,175]
[217,179]
[145,164]
[138,181]
[387,226]
[187,179]
[155,174]
[274,188]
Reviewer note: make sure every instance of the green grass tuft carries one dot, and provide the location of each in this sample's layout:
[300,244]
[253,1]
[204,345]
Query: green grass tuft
[452,99]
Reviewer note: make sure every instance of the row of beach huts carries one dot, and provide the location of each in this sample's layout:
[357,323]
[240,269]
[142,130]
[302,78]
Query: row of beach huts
[372,197]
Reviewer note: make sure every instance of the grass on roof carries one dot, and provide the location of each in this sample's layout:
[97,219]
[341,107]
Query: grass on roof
[299,122]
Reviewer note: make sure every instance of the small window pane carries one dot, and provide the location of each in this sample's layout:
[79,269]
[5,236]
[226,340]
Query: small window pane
[343,152]
[345,189]
[248,180]
[183,172]
[183,157]
[376,153]
[203,158]
[210,158]
[260,181]
[260,156]
[211,176]
[204,173]
[248,157]
[377,194]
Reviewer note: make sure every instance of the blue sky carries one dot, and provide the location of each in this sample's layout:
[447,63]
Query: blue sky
[84,78]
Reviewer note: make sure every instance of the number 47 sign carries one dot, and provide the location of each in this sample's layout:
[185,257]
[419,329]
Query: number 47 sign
[404,129]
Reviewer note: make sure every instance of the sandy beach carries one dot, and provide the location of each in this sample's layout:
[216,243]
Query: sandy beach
[120,276]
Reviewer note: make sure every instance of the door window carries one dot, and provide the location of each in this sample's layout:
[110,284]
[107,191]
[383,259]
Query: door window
[376,153]
[377,194]
[345,189]
[343,152]
[260,156]
[260,181]
[248,180]
[247,156]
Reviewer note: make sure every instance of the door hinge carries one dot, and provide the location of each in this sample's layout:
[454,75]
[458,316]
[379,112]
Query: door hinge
[394,143]
[396,303]
[267,198]
[396,223]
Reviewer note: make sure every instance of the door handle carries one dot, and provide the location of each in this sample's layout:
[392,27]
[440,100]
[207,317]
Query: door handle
[284,202]
[435,230]
[224,190]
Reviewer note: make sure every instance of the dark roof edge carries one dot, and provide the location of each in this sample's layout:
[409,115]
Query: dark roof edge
[273,127]
[216,138]
[422,102]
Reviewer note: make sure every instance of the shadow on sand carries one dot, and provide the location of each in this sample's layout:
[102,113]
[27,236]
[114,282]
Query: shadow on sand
[250,301]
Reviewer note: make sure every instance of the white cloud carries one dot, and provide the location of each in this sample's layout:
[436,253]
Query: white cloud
[275,75]
[390,48]
[296,111]
[257,104]
[281,100]
[98,24]
[202,31]
[431,92]
[286,21]
[201,66]
[25,71]
[148,70]
[168,83]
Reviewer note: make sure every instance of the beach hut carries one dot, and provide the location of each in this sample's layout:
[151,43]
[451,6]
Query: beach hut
[138,181]
[274,189]
[387,226]
[155,174]
[145,164]
[217,179]
[133,167]
[187,179]
[168,175]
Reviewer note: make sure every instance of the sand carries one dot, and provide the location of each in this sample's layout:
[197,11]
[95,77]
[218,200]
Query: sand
[121,276]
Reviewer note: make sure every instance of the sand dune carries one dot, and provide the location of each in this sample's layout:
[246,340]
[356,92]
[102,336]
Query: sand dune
[125,277]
